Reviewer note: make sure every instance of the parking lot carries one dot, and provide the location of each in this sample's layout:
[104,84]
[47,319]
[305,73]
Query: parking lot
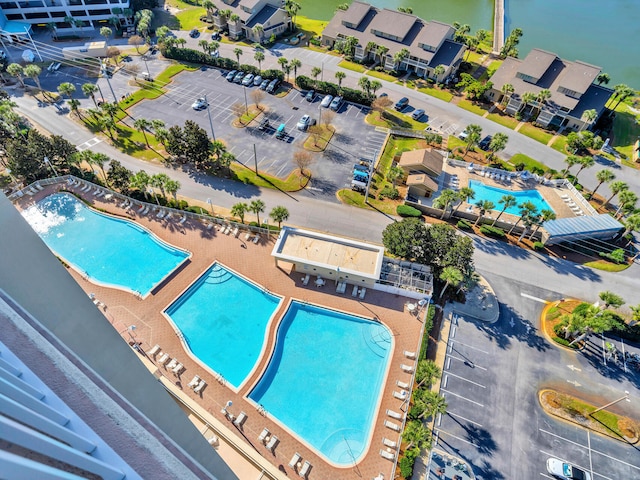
[491,378]
[353,139]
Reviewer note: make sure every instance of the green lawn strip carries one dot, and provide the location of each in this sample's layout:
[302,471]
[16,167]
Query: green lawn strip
[607,266]
[131,142]
[292,183]
[503,120]
[349,197]
[491,69]
[474,57]
[537,134]
[190,18]
[396,146]
[393,119]
[310,26]
[530,164]
[437,93]
[382,76]
[560,144]
[471,107]
[626,130]
[356,67]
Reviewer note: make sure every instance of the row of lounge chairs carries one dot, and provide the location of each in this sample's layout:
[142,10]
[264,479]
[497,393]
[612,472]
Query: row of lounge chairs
[197,384]
[268,439]
[295,461]
[165,359]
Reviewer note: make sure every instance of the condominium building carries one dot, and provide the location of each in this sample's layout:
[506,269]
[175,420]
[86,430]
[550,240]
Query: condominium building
[382,34]
[256,20]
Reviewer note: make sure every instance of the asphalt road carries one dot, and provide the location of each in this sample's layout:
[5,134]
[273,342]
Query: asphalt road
[491,378]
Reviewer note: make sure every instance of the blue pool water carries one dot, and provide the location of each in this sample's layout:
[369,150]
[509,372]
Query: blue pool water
[108,250]
[223,319]
[485,192]
[325,377]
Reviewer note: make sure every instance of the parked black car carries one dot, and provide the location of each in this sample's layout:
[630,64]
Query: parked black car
[402,104]
[485,142]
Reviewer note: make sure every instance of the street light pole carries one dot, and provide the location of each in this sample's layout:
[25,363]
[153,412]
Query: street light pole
[105,72]
[206,102]
[624,397]
[48,162]
[246,106]
[255,158]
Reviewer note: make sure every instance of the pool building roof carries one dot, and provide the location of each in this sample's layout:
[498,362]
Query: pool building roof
[330,252]
[576,228]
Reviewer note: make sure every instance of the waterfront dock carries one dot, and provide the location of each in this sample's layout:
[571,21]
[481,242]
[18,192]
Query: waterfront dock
[498,26]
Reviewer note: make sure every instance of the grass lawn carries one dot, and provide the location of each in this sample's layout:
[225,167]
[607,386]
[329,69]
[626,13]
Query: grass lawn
[607,266]
[349,197]
[471,107]
[189,17]
[396,146]
[310,26]
[560,144]
[474,57]
[491,69]
[292,183]
[318,142]
[437,93]
[382,76]
[626,130]
[536,133]
[393,119]
[529,163]
[504,120]
[356,67]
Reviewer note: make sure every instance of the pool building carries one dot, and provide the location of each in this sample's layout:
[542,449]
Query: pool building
[289,360]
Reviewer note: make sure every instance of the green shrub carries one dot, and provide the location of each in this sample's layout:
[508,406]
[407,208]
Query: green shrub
[563,341]
[492,231]
[464,225]
[273,73]
[538,246]
[406,467]
[328,88]
[617,256]
[390,192]
[408,211]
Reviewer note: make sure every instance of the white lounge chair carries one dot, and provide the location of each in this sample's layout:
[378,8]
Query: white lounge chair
[247,235]
[160,213]
[363,292]
[145,211]
[389,443]
[236,231]
[227,230]
[354,292]
[38,186]
[294,460]
[155,350]
[411,355]
[305,279]
[304,471]
[273,441]
[404,385]
[177,369]
[240,419]
[401,395]
[183,219]
[214,441]
[210,226]
[256,239]
[387,455]
[264,434]
[407,368]
[172,364]
[200,386]
[396,415]
[164,358]
[195,381]
[393,426]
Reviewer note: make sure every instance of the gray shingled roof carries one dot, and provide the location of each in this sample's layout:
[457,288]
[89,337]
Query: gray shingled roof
[356,13]
[262,16]
[446,54]
[393,23]
[536,63]
[433,33]
[578,76]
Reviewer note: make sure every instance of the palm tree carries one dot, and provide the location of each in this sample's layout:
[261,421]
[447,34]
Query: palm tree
[90,89]
[603,78]
[616,188]
[571,160]
[292,9]
[210,7]
[259,57]
[16,70]
[585,162]
[374,86]
[415,433]
[474,133]
[257,207]
[204,44]
[450,276]
[279,214]
[172,187]
[156,124]
[142,125]
[234,18]
[464,195]
[237,52]
[315,71]
[394,174]
[283,62]
[100,159]
[239,209]
[33,71]
[483,207]
[161,134]
[159,180]
[507,201]
[590,116]
[438,71]
[364,84]
[498,143]
[259,31]
[381,52]
[527,99]
[444,200]
[631,224]
[74,105]
[109,124]
[507,89]
[545,215]
[213,47]
[106,32]
[181,42]
[339,76]
[66,88]
[371,47]
[140,181]
[109,108]
[427,371]
[400,57]
[604,175]
[295,63]
[542,97]
[621,92]
[53,28]
[527,209]
[626,198]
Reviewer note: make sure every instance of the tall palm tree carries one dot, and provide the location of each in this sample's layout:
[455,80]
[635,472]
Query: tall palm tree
[464,195]
[140,181]
[90,89]
[527,99]
[172,187]
[257,207]
[621,92]
[427,371]
[451,276]
[295,63]
[292,9]
[142,125]
[483,207]
[100,159]
[259,57]
[237,52]
[571,160]
[625,198]
[394,174]
[507,89]
[33,71]
[210,7]
[527,209]
[400,57]
[74,105]
[604,175]
[381,51]
[507,201]
[283,62]
[16,70]
[159,180]
[374,86]
[53,28]
[239,209]
[204,45]
[444,200]
[585,162]
[631,224]
[66,88]
[315,71]
[106,32]
[498,143]
[545,216]
[370,48]
[542,97]
[339,76]
[364,84]
[258,30]
[616,187]
[213,47]
[590,116]
[474,132]
[279,214]
[438,71]
[603,78]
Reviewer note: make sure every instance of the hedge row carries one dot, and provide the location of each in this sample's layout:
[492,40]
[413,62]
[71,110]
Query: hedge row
[492,231]
[408,211]
[196,56]
[328,88]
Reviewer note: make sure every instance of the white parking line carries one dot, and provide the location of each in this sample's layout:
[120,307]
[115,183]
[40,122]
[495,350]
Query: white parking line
[470,346]
[460,396]
[445,381]
[531,297]
[589,447]
[463,418]
[453,332]
[448,363]
[463,360]
[456,437]
[466,380]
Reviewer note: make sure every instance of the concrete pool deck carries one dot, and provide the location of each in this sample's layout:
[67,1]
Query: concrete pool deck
[254,261]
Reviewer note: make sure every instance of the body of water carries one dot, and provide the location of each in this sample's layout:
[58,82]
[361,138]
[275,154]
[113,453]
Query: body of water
[603,33]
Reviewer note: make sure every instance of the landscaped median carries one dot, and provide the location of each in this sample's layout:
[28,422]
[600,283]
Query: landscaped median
[577,411]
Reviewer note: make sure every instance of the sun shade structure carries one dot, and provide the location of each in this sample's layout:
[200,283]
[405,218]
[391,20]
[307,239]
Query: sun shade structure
[571,229]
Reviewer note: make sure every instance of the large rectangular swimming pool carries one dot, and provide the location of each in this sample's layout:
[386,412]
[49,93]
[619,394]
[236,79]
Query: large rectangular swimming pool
[494,194]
